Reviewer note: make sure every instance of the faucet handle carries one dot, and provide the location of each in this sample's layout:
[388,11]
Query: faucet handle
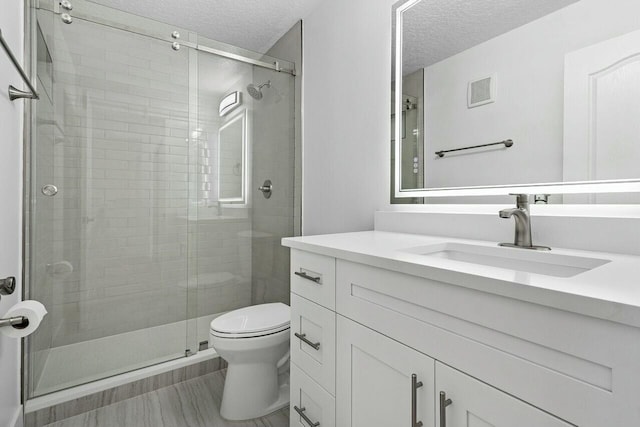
[521,199]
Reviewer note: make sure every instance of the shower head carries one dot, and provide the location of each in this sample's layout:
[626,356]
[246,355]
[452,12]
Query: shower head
[256,91]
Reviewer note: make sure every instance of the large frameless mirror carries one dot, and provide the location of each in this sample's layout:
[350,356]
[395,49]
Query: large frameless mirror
[492,98]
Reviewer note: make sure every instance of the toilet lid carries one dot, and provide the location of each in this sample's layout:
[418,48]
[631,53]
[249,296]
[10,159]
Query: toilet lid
[253,319]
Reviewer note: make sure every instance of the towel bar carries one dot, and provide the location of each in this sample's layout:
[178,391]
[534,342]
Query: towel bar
[15,93]
[507,143]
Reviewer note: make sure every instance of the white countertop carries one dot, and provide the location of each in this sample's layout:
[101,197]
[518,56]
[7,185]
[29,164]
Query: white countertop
[610,291]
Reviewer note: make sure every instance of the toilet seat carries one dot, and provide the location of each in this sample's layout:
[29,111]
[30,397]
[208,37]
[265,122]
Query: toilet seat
[253,321]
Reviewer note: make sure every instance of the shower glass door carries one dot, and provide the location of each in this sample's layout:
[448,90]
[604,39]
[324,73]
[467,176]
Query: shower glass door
[146,151]
[109,201]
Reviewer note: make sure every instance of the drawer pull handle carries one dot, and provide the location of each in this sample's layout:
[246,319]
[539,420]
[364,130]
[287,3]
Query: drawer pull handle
[415,385]
[444,402]
[303,338]
[306,276]
[300,412]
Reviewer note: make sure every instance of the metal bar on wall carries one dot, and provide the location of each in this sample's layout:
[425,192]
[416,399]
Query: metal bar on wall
[15,93]
[507,143]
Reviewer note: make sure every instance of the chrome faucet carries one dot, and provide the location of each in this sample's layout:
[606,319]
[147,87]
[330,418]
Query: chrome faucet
[522,216]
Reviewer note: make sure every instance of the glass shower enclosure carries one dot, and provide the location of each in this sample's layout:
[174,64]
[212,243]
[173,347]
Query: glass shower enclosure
[143,221]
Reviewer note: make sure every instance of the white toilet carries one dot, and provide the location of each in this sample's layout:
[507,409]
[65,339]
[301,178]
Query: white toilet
[255,343]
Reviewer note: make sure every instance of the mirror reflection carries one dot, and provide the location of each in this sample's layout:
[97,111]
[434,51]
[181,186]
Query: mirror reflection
[232,143]
[518,92]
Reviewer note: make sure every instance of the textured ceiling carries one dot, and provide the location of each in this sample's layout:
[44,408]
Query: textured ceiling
[436,29]
[251,24]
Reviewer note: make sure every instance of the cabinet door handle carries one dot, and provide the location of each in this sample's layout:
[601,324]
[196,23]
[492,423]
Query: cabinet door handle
[307,276]
[415,385]
[444,402]
[303,338]
[300,412]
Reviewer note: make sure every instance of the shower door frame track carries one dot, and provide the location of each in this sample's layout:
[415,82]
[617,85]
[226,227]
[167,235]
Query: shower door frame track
[216,48]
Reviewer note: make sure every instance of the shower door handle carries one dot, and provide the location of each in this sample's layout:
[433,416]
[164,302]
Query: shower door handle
[49,190]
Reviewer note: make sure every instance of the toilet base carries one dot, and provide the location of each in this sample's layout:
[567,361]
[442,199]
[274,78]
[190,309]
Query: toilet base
[283,400]
[240,402]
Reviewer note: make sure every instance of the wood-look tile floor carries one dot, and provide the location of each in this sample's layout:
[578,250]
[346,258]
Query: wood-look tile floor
[193,403]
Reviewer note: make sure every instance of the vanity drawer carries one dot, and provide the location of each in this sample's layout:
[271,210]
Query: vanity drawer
[313,341]
[313,276]
[310,400]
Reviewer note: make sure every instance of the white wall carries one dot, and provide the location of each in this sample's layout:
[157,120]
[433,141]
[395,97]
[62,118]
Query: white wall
[346,111]
[529,64]
[11,23]
[346,108]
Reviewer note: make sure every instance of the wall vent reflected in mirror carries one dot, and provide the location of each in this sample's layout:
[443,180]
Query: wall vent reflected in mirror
[230,103]
[481,92]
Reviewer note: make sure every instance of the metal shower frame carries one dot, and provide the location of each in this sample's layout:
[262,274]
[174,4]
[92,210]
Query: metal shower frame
[163,32]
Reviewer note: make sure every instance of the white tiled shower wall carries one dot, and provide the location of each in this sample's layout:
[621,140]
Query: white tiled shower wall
[121,164]
[276,156]
[222,233]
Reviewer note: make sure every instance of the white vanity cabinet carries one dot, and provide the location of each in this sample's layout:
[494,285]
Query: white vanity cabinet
[502,361]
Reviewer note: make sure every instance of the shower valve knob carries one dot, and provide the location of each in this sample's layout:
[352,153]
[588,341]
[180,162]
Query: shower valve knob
[175,35]
[175,46]
[266,189]
[66,4]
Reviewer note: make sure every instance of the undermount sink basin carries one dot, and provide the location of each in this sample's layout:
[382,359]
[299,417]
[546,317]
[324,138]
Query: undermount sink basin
[545,263]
